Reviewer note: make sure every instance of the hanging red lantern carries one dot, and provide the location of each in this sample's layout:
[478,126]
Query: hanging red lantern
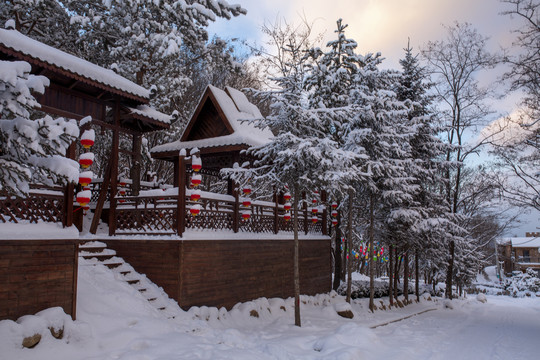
[86,159]
[287,206]
[245,215]
[314,219]
[196,164]
[314,201]
[122,182]
[83,197]
[287,216]
[85,178]
[246,202]
[334,205]
[334,222]
[196,180]
[195,210]
[246,190]
[87,138]
[334,213]
[314,210]
[122,192]
[287,196]
[195,195]
[121,200]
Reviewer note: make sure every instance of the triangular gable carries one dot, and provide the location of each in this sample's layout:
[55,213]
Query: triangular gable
[208,120]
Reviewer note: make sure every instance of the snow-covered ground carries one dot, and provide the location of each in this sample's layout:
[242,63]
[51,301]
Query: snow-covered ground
[116,322]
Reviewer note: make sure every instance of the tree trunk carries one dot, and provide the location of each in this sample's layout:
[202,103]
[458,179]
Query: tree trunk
[391,277]
[417,273]
[349,246]
[337,258]
[297,321]
[396,273]
[371,248]
[406,275]
[449,274]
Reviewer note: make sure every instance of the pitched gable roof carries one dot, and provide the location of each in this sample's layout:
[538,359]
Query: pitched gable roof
[219,120]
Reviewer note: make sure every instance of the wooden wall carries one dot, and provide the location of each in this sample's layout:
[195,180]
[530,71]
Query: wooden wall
[225,272]
[37,274]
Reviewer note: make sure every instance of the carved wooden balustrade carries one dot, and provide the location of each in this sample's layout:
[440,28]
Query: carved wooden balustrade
[43,204]
[156,213]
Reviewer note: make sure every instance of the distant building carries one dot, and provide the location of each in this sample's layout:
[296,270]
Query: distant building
[520,253]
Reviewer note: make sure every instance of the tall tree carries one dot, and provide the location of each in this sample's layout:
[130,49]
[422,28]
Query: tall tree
[454,64]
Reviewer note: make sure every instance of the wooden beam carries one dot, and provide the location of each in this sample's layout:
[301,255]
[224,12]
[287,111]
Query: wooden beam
[114,169]
[324,224]
[101,199]
[136,167]
[181,201]
[68,191]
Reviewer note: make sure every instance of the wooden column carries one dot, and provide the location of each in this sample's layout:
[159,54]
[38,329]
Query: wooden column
[69,190]
[324,227]
[236,209]
[136,168]
[306,223]
[114,169]
[180,181]
[276,213]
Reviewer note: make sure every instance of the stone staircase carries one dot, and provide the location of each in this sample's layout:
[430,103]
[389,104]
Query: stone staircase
[97,252]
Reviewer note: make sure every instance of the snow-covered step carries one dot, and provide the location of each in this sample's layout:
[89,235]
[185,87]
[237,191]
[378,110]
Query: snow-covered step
[92,246]
[104,254]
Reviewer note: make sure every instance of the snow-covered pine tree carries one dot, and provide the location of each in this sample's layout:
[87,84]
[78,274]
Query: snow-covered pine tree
[31,150]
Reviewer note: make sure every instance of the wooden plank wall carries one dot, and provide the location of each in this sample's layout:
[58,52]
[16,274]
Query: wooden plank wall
[225,272]
[37,274]
[159,260]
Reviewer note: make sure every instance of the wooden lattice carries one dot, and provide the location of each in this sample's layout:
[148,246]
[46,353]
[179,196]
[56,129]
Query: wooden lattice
[37,207]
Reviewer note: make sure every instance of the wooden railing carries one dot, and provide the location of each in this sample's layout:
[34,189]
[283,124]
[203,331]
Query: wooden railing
[157,214]
[42,204]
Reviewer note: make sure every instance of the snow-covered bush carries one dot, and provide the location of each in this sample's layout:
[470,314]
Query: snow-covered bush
[31,149]
[360,289]
[525,284]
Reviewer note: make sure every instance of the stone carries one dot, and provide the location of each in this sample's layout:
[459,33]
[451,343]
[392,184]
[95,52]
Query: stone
[57,334]
[31,341]
[348,314]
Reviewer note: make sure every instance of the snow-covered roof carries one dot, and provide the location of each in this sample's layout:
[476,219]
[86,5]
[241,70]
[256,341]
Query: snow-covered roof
[522,242]
[151,113]
[20,43]
[236,109]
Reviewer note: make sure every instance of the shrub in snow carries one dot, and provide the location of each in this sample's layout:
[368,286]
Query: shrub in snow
[482,298]
[525,284]
[31,150]
[360,289]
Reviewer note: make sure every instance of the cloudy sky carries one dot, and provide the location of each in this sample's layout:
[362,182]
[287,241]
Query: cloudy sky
[377,25]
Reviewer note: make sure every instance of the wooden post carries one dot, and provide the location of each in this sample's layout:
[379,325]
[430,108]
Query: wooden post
[324,227]
[276,213]
[136,168]
[236,210]
[101,199]
[181,201]
[114,168]
[305,213]
[68,191]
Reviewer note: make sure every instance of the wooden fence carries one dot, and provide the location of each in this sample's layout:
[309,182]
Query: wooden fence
[43,204]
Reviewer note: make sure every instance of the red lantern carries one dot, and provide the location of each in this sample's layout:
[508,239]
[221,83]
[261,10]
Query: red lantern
[83,197]
[195,195]
[287,196]
[287,206]
[87,138]
[334,213]
[287,216]
[122,192]
[122,182]
[195,210]
[314,210]
[121,200]
[246,203]
[334,205]
[314,219]
[314,201]
[85,178]
[86,159]
[334,222]
[196,164]
[246,190]
[196,180]
[245,215]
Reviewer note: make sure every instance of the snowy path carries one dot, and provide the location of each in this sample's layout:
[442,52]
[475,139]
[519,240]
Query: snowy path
[504,328]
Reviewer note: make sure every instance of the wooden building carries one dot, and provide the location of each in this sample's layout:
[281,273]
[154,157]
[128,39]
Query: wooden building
[520,253]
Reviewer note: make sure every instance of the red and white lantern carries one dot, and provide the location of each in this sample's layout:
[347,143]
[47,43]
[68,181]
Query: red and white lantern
[314,201]
[195,209]
[196,180]
[334,205]
[86,159]
[196,164]
[334,221]
[287,196]
[287,206]
[195,195]
[85,178]
[122,182]
[314,210]
[246,202]
[287,216]
[122,192]
[334,213]
[245,215]
[83,197]
[314,219]
[87,138]
[246,190]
